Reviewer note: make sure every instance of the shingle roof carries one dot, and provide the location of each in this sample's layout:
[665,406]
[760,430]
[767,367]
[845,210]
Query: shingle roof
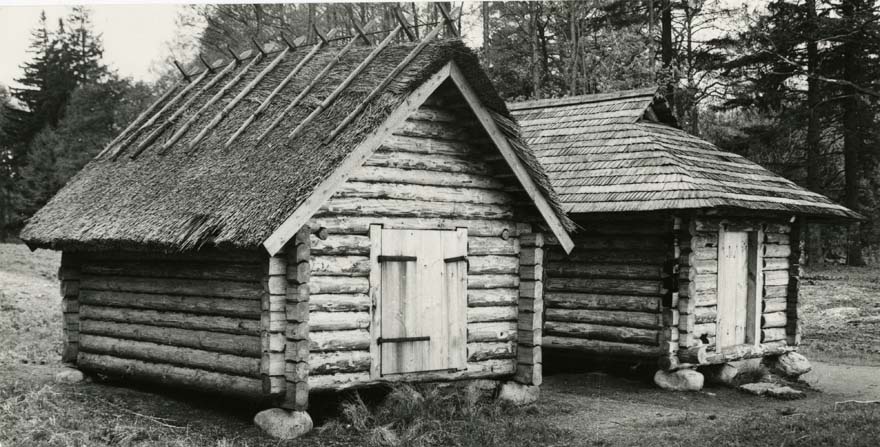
[161,186]
[617,152]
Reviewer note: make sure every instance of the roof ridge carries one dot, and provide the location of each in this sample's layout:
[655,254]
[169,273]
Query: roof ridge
[581,99]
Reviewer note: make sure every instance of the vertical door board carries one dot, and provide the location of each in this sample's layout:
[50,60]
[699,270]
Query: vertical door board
[732,288]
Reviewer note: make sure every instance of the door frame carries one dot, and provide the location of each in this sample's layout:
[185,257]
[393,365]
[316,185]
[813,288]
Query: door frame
[754,278]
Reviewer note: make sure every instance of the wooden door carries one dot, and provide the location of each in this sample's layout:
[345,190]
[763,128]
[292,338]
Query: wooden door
[733,288]
[422,300]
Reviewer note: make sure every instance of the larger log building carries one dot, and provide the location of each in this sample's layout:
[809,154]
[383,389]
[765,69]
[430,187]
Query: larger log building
[688,254]
[310,219]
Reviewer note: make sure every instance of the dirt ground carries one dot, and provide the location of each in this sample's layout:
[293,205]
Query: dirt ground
[840,308]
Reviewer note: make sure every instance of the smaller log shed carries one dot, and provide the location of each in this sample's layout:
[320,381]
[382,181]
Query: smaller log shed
[688,254]
[310,219]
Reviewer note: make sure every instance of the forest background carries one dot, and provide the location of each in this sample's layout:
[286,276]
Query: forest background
[791,84]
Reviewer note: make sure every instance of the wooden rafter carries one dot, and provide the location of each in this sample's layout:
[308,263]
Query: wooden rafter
[181,110]
[140,118]
[381,87]
[265,104]
[401,20]
[156,116]
[205,107]
[341,87]
[308,88]
[450,23]
[238,98]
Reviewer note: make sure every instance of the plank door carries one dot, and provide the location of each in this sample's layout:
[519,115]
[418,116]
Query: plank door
[733,288]
[423,300]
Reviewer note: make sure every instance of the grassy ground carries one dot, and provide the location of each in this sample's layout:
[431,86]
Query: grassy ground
[575,409]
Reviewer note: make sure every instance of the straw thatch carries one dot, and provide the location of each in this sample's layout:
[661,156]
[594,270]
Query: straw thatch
[155,189]
[620,152]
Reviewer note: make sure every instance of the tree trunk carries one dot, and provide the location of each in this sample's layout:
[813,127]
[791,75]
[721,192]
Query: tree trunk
[814,232]
[852,132]
[666,48]
[310,22]
[487,35]
[536,49]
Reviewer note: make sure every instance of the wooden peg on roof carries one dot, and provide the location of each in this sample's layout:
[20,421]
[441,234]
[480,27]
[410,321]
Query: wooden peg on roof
[361,34]
[450,23]
[324,39]
[182,71]
[234,56]
[398,15]
[259,47]
[206,64]
[289,44]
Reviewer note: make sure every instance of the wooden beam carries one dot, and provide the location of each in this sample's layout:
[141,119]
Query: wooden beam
[381,87]
[401,19]
[500,140]
[447,18]
[140,118]
[341,87]
[180,111]
[265,104]
[279,238]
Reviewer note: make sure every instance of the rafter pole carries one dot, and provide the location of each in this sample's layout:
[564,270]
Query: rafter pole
[381,87]
[450,24]
[192,119]
[156,116]
[348,80]
[180,111]
[140,118]
[259,47]
[183,72]
[206,64]
[265,104]
[234,56]
[308,88]
[401,19]
[237,99]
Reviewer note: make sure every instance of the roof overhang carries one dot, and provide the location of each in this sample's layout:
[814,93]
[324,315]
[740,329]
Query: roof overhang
[287,230]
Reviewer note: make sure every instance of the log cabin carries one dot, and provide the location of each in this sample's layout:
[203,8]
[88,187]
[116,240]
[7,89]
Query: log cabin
[314,218]
[688,254]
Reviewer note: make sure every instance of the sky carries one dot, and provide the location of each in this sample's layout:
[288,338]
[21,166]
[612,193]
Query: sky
[134,36]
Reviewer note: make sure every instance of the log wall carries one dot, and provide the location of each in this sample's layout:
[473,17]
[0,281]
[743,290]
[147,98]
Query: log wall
[436,172]
[777,300]
[69,278]
[188,319]
[605,297]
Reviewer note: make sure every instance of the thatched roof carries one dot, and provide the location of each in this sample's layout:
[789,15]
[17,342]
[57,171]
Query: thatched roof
[154,188]
[620,152]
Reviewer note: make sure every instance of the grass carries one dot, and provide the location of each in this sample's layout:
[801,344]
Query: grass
[838,307]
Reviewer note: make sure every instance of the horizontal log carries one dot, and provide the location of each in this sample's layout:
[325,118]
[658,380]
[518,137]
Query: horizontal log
[630,271]
[699,267]
[190,287]
[606,317]
[600,347]
[412,208]
[233,256]
[361,225]
[775,292]
[433,162]
[166,374]
[248,309]
[489,265]
[774,320]
[171,319]
[696,355]
[350,302]
[531,272]
[492,281]
[777,228]
[434,130]
[777,238]
[339,340]
[531,256]
[399,143]
[338,285]
[591,301]
[612,243]
[340,265]
[175,269]
[606,286]
[777,251]
[624,227]
[776,278]
[425,193]
[241,345]
[708,314]
[478,352]
[776,264]
[692,255]
[420,177]
[159,353]
[707,329]
[339,362]
[772,334]
[489,314]
[338,321]
[491,332]
[483,246]
[492,297]
[487,369]
[618,257]
[340,245]
[700,240]
[620,334]
[743,352]
[771,305]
